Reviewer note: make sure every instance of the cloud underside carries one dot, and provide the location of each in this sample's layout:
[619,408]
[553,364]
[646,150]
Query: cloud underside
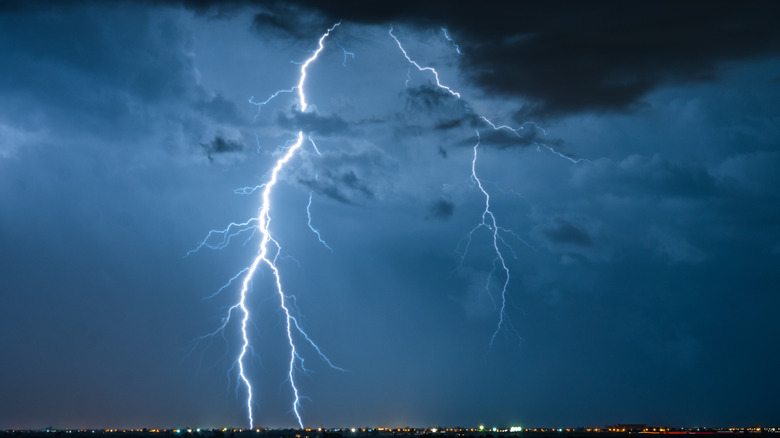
[561,57]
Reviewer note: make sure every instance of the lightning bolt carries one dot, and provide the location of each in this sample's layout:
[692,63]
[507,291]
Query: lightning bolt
[268,252]
[269,249]
[422,69]
[539,146]
[489,222]
[311,227]
[488,218]
[347,53]
[447,37]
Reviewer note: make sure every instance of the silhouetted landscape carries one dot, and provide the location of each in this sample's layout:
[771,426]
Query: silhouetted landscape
[616,431]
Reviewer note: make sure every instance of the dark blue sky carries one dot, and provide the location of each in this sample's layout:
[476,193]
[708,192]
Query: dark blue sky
[644,281]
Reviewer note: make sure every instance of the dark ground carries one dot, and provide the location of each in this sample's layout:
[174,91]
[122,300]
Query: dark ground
[367,433]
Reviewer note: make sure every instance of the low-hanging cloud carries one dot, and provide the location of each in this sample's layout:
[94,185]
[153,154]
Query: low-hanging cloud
[312,122]
[441,209]
[221,145]
[572,57]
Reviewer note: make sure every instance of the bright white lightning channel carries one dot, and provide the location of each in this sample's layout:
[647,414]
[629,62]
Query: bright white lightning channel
[266,256]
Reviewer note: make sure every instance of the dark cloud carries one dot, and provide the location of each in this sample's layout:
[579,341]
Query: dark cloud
[427,98]
[351,177]
[221,145]
[436,109]
[650,175]
[108,71]
[441,209]
[565,232]
[449,124]
[432,101]
[431,106]
[289,19]
[525,136]
[351,181]
[265,22]
[312,122]
[344,187]
[220,109]
[566,57]
[676,249]
[561,57]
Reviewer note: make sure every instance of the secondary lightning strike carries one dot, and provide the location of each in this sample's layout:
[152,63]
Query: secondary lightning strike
[420,68]
[226,285]
[513,130]
[316,347]
[260,104]
[346,54]
[489,221]
[539,146]
[447,36]
[314,145]
[554,152]
[488,218]
[232,230]
[311,227]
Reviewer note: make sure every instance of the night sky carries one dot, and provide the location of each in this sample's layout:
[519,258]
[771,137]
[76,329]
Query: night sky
[645,255]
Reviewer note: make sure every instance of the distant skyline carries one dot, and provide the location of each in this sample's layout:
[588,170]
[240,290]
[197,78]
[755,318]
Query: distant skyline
[636,195]
[617,429]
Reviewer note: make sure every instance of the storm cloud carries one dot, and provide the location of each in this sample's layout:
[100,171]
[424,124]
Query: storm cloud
[566,58]
[628,155]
